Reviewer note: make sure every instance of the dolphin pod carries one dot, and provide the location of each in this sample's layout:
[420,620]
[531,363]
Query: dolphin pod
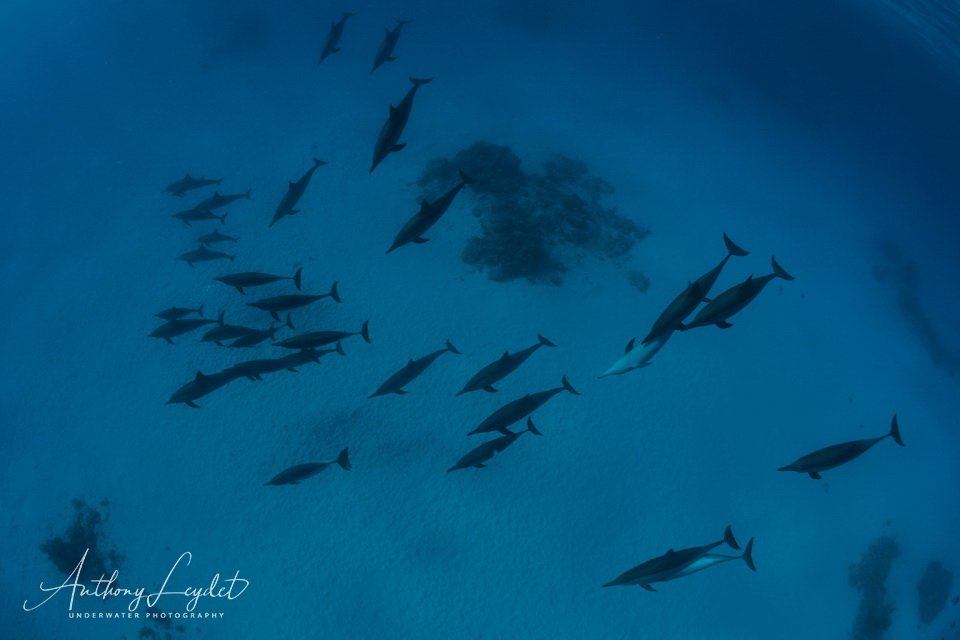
[838,454]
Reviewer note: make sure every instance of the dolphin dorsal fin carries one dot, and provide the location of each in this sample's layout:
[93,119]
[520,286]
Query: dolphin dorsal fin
[506,355]
[200,376]
[670,552]
[630,345]
[393,110]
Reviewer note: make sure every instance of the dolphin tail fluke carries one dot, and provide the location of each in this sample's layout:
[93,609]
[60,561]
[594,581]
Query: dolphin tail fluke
[544,341]
[200,311]
[780,271]
[748,555]
[895,430]
[344,460]
[453,349]
[335,293]
[729,539]
[297,278]
[569,387]
[466,178]
[365,331]
[732,247]
[532,428]
[319,163]
[223,218]
[419,81]
[220,318]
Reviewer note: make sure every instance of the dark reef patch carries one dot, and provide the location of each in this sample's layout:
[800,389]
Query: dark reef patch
[533,225]
[933,590]
[869,577]
[84,532]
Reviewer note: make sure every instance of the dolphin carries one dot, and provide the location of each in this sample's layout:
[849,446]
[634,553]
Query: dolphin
[200,386]
[202,254]
[479,456]
[501,368]
[292,301]
[226,332]
[688,299]
[389,139]
[396,383]
[294,192]
[636,356]
[255,369]
[175,313]
[333,38]
[670,565]
[218,200]
[215,237]
[385,52]
[835,455]
[255,279]
[314,339]
[299,472]
[713,559]
[719,310]
[256,336]
[196,214]
[520,408]
[188,183]
[173,328]
[429,214]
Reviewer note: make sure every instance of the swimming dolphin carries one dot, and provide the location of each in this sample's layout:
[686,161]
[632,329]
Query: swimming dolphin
[501,368]
[198,215]
[713,559]
[299,472]
[175,313]
[292,301]
[314,339]
[389,139]
[295,191]
[688,300]
[479,456]
[225,332]
[835,455]
[218,200]
[255,369]
[215,237]
[385,52]
[719,310]
[256,336]
[173,328]
[520,408]
[188,183]
[636,356]
[200,386]
[333,38]
[246,279]
[396,383]
[202,254]
[670,565]
[429,214]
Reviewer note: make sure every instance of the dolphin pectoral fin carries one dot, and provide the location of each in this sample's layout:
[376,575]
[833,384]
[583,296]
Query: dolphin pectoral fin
[292,369]
[490,389]
[398,147]
[276,316]
[815,475]
[420,240]
[648,588]
[480,465]
[630,345]
[400,392]
[723,324]
[192,404]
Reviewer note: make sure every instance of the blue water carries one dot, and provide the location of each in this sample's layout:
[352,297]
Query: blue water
[823,133]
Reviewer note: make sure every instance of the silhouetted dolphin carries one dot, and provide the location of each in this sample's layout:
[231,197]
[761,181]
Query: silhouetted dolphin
[200,386]
[835,455]
[695,293]
[173,328]
[294,192]
[500,369]
[299,472]
[174,313]
[396,383]
[188,183]
[197,214]
[255,369]
[520,408]
[713,559]
[636,356]
[218,200]
[389,139]
[257,336]
[292,301]
[255,279]
[333,38]
[314,339]
[226,332]
[215,237]
[719,310]
[429,214]
[385,52]
[479,456]
[671,565]
[202,254]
